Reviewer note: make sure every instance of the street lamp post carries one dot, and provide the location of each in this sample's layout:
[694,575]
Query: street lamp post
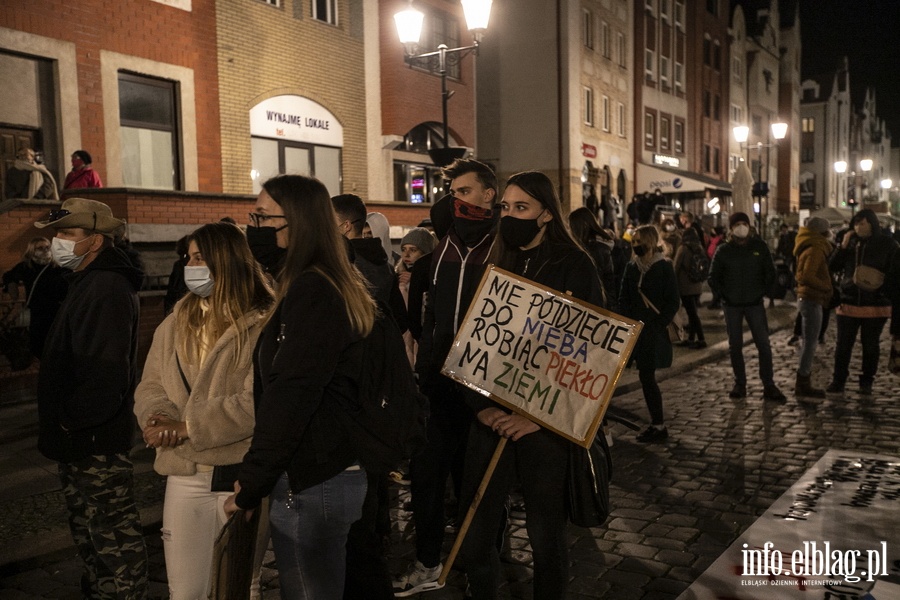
[761,188]
[409,29]
[860,181]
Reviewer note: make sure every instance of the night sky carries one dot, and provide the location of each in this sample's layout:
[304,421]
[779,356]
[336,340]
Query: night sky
[868,33]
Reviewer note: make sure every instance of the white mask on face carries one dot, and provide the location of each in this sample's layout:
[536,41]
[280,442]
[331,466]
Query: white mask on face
[741,231]
[198,281]
[63,252]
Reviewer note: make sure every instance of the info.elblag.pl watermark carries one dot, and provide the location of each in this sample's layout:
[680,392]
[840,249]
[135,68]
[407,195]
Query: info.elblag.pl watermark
[815,560]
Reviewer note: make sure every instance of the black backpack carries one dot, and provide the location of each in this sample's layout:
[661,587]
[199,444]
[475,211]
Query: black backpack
[698,267]
[386,420]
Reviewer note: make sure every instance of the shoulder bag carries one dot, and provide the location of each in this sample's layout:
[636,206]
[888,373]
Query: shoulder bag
[24,318]
[866,278]
[223,476]
[587,483]
[674,329]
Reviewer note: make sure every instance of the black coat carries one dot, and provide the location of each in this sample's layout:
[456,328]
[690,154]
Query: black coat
[88,371]
[653,348]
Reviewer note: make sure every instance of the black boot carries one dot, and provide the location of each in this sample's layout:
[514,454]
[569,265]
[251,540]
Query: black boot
[804,388]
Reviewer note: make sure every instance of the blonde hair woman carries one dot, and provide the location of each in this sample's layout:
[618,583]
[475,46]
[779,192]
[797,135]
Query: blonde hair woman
[195,400]
[306,360]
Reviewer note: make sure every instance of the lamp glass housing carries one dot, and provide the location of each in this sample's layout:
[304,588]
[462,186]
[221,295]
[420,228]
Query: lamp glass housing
[865,164]
[840,166]
[779,130]
[409,25]
[741,133]
[478,13]
[886,184]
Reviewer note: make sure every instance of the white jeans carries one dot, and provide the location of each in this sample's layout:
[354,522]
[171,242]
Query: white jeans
[192,519]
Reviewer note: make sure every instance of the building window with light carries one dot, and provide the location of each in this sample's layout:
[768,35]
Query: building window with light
[325,11]
[808,125]
[649,130]
[679,137]
[588,29]
[149,132]
[665,125]
[588,106]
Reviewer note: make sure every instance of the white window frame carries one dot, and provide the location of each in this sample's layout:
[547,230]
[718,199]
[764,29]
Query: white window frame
[606,114]
[678,140]
[679,15]
[331,12]
[664,70]
[587,29]
[664,10]
[621,121]
[737,114]
[649,132]
[665,132]
[587,109]
[649,63]
[679,77]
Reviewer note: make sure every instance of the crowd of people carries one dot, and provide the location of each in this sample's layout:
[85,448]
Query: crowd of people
[241,390]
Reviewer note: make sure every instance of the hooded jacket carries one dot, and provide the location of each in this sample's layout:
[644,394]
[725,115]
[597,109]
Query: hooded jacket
[368,255]
[742,273]
[88,371]
[877,251]
[219,410]
[811,250]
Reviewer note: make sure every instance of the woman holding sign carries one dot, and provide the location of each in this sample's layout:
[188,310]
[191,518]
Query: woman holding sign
[650,294]
[533,243]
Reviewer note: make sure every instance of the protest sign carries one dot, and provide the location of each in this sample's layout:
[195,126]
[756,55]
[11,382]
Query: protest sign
[546,355]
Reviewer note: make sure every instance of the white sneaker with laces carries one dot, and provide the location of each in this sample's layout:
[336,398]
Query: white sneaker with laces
[418,578]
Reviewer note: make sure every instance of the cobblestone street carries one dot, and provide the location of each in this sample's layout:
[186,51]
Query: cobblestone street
[677,505]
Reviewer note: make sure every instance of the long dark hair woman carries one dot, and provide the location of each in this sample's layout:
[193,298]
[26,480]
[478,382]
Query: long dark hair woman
[650,294]
[599,245]
[305,360]
[534,243]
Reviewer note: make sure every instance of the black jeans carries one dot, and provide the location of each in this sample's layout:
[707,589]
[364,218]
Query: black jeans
[870,331]
[695,327]
[538,461]
[367,573]
[448,428]
[652,394]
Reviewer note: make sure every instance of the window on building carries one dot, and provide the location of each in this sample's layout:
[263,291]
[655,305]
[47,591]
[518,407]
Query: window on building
[649,60]
[808,125]
[808,153]
[737,69]
[621,119]
[715,107]
[706,103]
[664,10]
[588,106]
[664,70]
[679,15]
[712,7]
[679,137]
[325,11]
[679,77]
[706,158]
[149,132]
[737,114]
[756,125]
[715,161]
[588,29]
[606,114]
[665,131]
[605,42]
[622,49]
[649,130]
[648,4]
[707,52]
[717,56]
[440,28]
[733,162]
[272,2]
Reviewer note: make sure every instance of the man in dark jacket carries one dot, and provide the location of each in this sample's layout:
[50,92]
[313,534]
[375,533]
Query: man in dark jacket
[741,272]
[457,265]
[86,395]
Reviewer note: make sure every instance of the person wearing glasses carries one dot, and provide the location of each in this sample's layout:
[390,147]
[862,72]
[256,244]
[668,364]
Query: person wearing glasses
[306,358]
[195,399]
[45,289]
[85,397]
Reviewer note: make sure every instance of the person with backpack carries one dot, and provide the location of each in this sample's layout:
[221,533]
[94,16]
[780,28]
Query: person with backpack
[533,243]
[599,245]
[194,403]
[306,364]
[691,270]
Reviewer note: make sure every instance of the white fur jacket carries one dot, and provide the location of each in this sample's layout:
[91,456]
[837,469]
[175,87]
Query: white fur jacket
[219,411]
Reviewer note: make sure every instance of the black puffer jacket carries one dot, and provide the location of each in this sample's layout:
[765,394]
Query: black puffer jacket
[88,371]
[877,251]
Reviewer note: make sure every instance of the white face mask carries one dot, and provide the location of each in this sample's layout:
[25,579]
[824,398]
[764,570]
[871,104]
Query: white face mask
[198,281]
[63,252]
[741,231]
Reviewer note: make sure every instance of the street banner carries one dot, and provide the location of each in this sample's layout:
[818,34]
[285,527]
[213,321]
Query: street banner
[834,535]
[544,354]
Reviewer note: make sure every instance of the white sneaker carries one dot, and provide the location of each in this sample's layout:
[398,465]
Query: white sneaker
[418,578]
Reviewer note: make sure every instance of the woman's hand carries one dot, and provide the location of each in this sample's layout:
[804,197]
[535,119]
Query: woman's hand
[163,431]
[510,426]
[403,277]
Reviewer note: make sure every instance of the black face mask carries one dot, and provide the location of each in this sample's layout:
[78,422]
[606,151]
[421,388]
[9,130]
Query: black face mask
[639,250]
[264,247]
[518,232]
[472,223]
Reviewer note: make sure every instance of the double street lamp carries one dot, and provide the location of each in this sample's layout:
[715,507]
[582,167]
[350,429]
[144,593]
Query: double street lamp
[761,188]
[409,28]
[860,182]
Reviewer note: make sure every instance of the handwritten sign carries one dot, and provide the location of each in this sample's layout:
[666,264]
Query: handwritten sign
[550,357]
[835,534]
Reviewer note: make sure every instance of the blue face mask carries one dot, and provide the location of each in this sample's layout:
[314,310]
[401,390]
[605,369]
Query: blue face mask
[198,281]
